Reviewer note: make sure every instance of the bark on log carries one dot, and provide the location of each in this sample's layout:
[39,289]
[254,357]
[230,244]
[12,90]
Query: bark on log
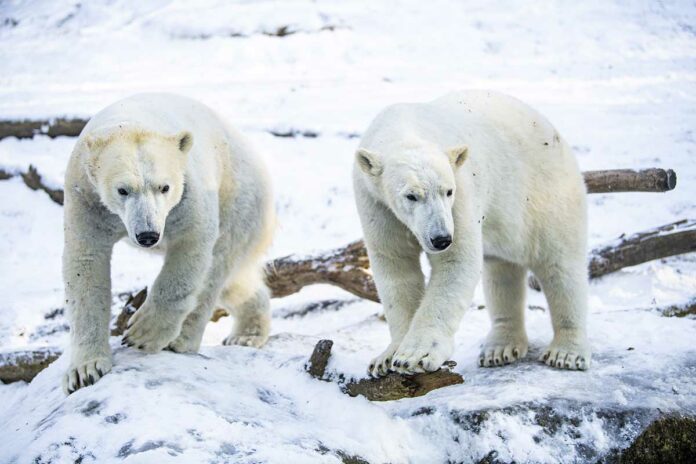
[347,268]
[390,387]
[629,180]
[26,129]
[25,364]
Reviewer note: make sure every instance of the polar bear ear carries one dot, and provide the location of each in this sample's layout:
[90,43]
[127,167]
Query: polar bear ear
[458,155]
[185,141]
[368,162]
[93,146]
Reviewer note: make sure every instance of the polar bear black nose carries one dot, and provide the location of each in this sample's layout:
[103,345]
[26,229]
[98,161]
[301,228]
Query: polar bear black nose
[441,242]
[147,239]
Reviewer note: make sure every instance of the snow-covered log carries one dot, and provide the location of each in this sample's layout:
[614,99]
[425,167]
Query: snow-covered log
[25,364]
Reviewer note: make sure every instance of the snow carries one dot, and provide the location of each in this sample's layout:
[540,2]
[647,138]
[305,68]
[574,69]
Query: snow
[618,79]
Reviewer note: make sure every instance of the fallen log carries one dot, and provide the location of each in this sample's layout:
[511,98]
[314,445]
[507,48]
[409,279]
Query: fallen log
[32,179]
[661,242]
[55,127]
[390,387]
[678,310]
[25,364]
[630,180]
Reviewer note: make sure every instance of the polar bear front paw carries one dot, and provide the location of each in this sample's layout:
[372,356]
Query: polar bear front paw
[567,351]
[86,373]
[421,353]
[381,365]
[500,349]
[151,330]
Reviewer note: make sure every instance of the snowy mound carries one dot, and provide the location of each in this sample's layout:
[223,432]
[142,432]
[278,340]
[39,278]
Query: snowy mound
[233,404]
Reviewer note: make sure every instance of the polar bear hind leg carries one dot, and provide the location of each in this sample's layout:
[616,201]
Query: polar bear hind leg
[504,286]
[247,298]
[565,286]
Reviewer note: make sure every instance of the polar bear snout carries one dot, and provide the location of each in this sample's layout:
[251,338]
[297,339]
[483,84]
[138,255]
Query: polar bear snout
[147,239]
[441,242]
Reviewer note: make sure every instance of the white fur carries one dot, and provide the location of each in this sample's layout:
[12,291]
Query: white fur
[215,222]
[518,203]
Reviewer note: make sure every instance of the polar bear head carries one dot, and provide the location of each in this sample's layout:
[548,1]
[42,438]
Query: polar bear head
[418,185]
[139,175]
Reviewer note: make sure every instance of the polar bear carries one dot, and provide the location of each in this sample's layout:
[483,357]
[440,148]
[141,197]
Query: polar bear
[484,185]
[168,174]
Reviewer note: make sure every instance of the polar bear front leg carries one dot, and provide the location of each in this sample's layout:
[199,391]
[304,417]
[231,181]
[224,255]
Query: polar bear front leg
[173,295]
[430,338]
[400,284]
[504,285]
[87,278]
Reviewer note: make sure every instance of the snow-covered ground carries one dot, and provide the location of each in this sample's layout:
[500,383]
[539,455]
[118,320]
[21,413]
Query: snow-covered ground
[618,79]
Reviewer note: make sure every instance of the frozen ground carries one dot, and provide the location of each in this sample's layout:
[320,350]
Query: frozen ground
[618,79]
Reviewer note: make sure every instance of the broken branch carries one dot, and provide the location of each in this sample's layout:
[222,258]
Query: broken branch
[393,386]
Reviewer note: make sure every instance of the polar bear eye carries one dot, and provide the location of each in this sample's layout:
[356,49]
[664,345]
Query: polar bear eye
[122,192]
[411,197]
[165,189]
[449,193]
